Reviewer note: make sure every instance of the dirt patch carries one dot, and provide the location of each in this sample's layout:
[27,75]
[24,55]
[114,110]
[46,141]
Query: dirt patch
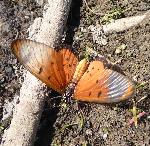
[85,123]
[108,125]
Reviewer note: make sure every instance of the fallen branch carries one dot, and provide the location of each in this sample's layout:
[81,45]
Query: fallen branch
[124,23]
[28,111]
[118,25]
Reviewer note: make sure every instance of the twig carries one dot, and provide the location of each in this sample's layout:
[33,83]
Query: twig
[96,13]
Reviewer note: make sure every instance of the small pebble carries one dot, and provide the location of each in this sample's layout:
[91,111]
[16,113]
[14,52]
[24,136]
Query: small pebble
[120,48]
[88,132]
[118,51]
[8,70]
[105,136]
[40,2]
[148,117]
[2,79]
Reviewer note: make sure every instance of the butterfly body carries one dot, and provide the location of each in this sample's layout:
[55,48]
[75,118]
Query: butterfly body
[91,81]
[80,70]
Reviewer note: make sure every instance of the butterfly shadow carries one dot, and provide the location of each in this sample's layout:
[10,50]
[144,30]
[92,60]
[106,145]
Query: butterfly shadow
[73,21]
[143,105]
[46,130]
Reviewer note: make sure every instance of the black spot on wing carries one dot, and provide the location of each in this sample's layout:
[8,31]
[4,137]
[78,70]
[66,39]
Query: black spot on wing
[67,59]
[90,93]
[40,70]
[74,64]
[99,94]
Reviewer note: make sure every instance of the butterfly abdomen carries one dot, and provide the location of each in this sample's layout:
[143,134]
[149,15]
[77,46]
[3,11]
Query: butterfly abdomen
[80,70]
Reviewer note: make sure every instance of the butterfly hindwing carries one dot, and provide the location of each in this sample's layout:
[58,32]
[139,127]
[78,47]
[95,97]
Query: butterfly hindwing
[102,85]
[46,63]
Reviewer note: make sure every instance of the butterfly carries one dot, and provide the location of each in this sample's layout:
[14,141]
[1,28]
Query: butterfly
[93,82]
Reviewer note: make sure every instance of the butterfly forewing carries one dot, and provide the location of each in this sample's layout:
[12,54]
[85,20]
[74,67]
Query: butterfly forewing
[69,63]
[46,63]
[103,85]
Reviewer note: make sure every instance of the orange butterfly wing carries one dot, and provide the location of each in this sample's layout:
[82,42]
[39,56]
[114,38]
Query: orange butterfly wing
[102,85]
[55,68]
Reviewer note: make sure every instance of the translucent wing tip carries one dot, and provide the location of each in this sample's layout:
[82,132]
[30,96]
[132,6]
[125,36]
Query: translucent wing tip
[15,47]
[120,87]
[15,42]
[129,92]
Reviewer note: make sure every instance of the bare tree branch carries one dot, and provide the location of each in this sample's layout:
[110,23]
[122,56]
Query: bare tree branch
[28,111]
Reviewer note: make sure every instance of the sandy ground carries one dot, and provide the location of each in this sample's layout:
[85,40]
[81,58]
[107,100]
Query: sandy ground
[89,124]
